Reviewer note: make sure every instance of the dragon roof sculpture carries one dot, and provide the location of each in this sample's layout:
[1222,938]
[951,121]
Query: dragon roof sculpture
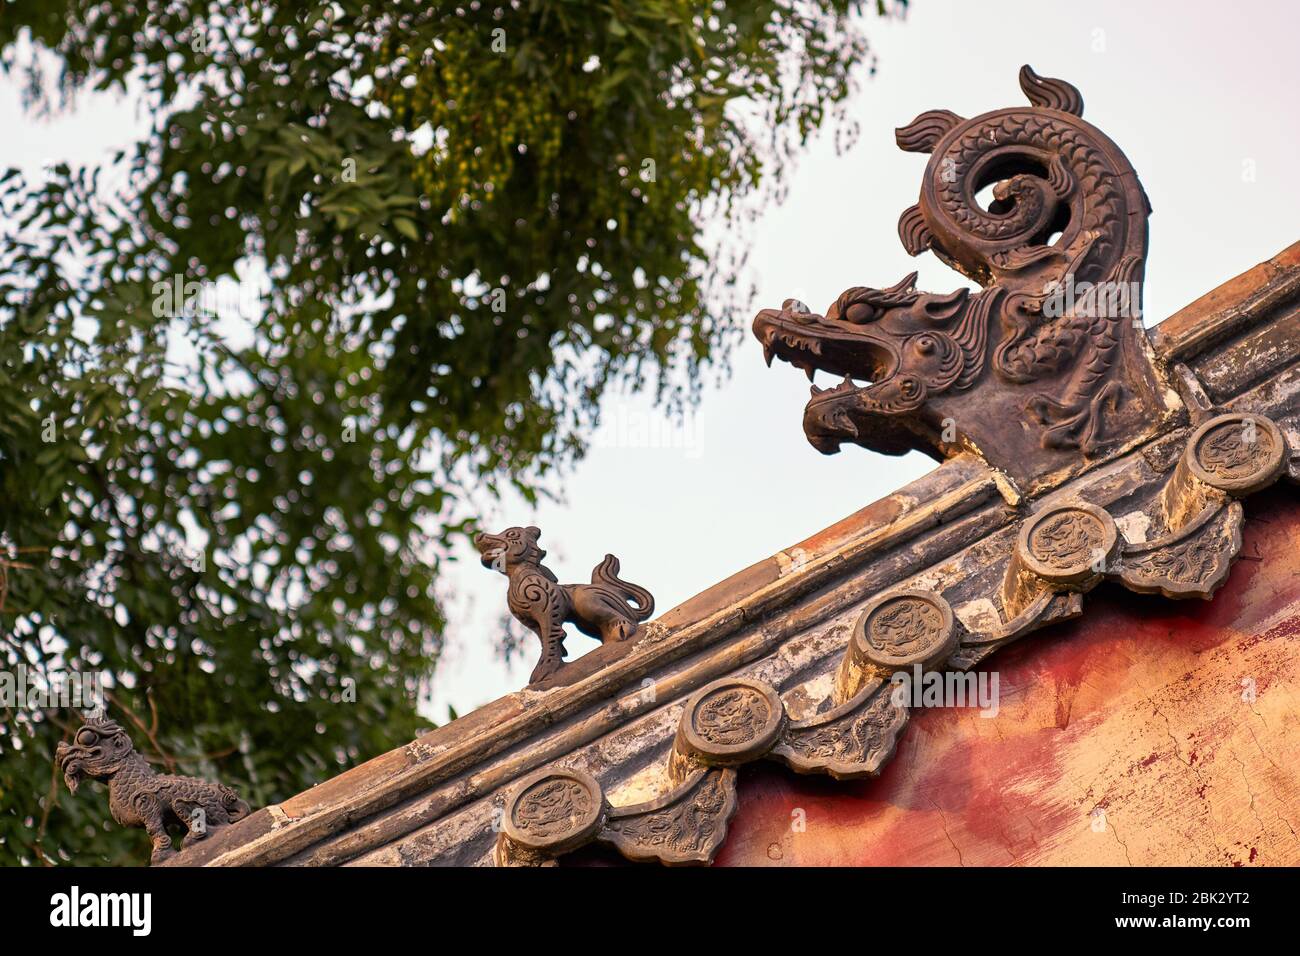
[1084,469]
[1049,360]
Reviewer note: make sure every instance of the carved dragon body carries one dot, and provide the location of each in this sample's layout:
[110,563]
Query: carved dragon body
[139,796]
[1054,340]
[608,608]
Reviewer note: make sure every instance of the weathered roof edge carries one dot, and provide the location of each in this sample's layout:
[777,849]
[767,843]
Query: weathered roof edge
[953,489]
[962,488]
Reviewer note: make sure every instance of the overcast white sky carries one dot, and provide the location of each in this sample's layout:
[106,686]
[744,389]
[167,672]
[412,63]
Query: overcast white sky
[1199,95]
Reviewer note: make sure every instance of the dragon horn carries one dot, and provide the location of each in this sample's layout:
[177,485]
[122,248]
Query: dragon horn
[906,284]
[1049,93]
[923,133]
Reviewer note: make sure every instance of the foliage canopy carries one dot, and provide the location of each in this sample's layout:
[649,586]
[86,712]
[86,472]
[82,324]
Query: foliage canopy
[463,225]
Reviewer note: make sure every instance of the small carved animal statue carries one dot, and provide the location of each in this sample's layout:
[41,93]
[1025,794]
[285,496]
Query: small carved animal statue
[599,609]
[138,796]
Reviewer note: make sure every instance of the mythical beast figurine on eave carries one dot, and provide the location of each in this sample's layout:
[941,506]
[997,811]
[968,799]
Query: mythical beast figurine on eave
[139,796]
[608,609]
[1048,366]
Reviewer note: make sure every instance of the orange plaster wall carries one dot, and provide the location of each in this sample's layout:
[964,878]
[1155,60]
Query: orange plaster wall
[1136,709]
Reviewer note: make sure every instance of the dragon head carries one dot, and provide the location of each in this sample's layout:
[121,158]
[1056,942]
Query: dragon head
[510,548]
[906,346]
[99,749]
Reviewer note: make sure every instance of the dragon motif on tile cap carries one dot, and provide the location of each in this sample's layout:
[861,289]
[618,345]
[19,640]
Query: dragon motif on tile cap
[1049,360]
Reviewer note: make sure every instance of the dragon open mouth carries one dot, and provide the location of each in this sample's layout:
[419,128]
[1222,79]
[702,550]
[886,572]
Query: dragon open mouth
[873,389]
[815,343]
[69,761]
[790,346]
[491,549]
[821,396]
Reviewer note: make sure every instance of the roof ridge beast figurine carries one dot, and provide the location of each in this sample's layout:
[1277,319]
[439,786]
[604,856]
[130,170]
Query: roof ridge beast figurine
[599,609]
[138,795]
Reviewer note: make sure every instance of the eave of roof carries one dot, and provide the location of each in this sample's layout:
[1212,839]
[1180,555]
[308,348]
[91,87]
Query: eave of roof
[1240,343]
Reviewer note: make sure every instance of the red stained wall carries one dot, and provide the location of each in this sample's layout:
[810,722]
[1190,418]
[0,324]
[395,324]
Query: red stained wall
[1128,736]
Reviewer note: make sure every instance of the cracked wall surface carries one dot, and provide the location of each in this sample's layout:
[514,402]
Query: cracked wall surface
[1126,737]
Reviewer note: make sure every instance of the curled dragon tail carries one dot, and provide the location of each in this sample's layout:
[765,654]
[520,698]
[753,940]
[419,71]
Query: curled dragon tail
[236,809]
[606,575]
